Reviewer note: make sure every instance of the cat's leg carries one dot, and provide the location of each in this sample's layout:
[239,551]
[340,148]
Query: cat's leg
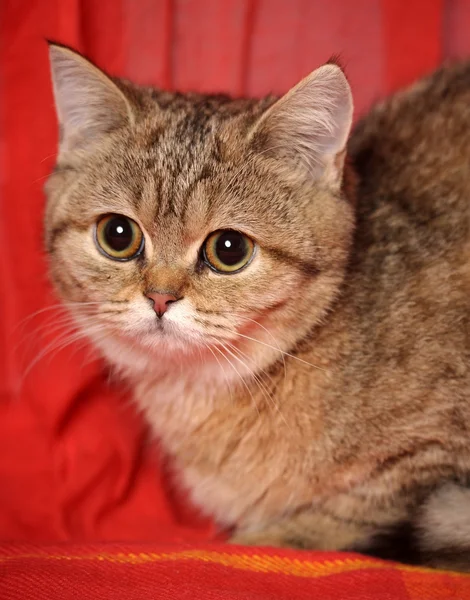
[433,532]
[436,532]
[442,528]
[309,529]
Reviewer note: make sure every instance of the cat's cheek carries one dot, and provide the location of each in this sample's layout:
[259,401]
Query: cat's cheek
[261,285]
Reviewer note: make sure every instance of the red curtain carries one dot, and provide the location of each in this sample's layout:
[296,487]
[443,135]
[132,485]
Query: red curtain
[74,459]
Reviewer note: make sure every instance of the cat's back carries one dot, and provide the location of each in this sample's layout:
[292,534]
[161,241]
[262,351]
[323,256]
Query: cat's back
[413,149]
[408,289]
[412,155]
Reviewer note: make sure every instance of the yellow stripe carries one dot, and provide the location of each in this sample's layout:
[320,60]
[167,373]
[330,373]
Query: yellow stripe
[258,563]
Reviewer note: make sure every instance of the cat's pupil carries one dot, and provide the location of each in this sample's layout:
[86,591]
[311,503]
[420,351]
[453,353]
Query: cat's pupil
[231,248]
[118,234]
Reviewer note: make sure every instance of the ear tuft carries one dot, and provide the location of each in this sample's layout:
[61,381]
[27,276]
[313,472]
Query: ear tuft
[337,59]
[309,126]
[88,103]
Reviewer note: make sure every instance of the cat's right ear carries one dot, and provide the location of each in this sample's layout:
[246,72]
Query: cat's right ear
[88,103]
[306,130]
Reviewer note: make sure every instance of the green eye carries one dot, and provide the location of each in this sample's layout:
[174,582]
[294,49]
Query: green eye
[228,251]
[119,237]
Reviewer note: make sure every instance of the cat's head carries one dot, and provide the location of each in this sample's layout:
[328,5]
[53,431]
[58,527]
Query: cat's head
[182,225]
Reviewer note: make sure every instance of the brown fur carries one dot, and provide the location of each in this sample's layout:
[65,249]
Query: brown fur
[334,424]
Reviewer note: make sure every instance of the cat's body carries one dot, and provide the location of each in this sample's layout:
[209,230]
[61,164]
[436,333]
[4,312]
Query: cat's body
[321,398]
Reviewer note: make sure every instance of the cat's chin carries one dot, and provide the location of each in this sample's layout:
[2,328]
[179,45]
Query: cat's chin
[142,349]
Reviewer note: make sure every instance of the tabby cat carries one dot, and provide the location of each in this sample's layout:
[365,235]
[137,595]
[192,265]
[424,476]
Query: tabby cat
[291,312]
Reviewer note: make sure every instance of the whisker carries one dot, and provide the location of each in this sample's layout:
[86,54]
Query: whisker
[275,341]
[54,345]
[283,354]
[58,344]
[48,157]
[227,381]
[262,385]
[255,377]
[259,382]
[27,341]
[281,351]
[240,377]
[55,323]
[58,306]
[65,321]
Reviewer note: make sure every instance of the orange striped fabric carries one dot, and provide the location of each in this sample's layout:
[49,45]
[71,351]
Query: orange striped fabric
[132,572]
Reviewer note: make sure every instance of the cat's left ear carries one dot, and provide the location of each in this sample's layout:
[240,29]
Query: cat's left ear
[88,103]
[308,127]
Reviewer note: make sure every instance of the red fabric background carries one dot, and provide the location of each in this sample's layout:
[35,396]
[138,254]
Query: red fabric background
[72,461]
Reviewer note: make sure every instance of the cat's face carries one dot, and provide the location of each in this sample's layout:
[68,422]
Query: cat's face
[179,227]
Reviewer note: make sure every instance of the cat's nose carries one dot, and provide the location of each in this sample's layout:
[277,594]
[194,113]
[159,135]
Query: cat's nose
[161,301]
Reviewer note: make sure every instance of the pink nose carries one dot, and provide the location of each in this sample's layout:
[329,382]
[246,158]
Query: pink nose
[161,302]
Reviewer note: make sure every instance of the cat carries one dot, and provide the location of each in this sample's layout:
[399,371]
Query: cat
[290,308]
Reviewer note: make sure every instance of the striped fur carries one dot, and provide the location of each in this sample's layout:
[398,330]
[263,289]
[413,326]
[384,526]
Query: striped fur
[319,398]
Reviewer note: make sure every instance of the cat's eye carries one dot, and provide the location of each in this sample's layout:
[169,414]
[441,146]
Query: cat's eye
[119,237]
[228,251]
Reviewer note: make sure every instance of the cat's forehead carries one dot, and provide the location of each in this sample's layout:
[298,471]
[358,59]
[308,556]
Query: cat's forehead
[185,171]
[179,132]
[171,175]
[171,171]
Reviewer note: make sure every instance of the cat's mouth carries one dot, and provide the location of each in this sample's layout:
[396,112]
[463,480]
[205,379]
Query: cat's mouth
[167,329]
[155,335]
[158,325]
[162,329]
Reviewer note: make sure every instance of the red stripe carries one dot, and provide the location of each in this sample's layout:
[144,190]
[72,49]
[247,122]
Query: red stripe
[102,31]
[292,39]
[69,20]
[247,45]
[210,44]
[28,502]
[456,29]
[148,41]
[412,32]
